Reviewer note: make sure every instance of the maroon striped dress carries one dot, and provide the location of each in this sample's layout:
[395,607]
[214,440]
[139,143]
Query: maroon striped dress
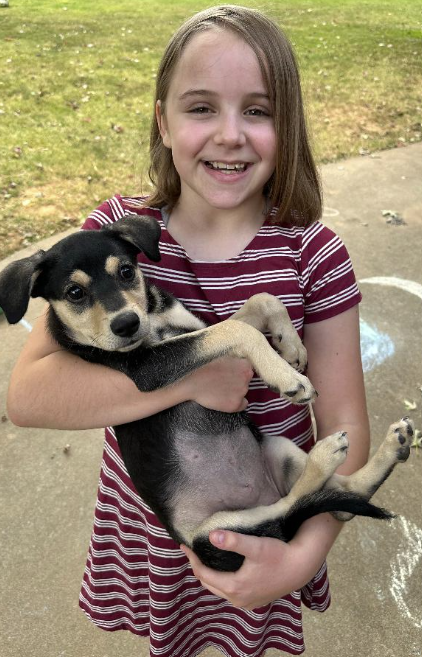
[136,578]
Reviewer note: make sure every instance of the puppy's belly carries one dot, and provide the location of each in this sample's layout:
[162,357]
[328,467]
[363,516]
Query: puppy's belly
[223,472]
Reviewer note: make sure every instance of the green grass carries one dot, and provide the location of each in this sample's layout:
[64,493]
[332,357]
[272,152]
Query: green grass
[77,83]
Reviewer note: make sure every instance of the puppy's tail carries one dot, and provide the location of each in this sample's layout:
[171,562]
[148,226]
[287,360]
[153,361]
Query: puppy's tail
[329,501]
[285,528]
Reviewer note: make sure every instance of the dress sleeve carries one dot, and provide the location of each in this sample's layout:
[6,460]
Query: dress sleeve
[116,208]
[329,283]
[106,213]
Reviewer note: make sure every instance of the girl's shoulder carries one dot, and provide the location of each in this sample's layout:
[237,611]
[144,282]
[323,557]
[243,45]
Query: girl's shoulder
[318,241]
[117,207]
[306,239]
[317,233]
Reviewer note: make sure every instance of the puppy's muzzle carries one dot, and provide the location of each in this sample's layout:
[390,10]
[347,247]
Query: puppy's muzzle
[125,325]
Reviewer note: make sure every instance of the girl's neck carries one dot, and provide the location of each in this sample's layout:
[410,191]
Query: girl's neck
[215,234]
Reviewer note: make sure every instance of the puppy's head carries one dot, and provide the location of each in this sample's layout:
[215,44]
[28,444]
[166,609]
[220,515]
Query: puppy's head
[92,282]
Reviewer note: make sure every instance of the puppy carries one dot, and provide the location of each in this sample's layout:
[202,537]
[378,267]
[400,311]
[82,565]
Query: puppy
[102,309]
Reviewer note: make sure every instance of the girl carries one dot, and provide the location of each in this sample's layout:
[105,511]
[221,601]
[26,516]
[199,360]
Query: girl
[238,200]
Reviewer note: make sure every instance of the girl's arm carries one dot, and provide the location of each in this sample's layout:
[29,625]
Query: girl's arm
[335,369]
[271,568]
[54,389]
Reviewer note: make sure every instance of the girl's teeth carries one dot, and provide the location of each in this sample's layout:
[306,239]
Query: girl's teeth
[226,168]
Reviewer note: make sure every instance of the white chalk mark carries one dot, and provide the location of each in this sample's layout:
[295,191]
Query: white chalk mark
[403,568]
[26,324]
[375,346]
[330,212]
[409,556]
[392,281]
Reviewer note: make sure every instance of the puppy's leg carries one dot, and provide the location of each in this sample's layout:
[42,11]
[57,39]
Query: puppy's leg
[285,462]
[394,449]
[266,312]
[170,360]
[243,340]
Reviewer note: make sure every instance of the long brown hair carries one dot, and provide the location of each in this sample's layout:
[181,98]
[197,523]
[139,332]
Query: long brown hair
[294,188]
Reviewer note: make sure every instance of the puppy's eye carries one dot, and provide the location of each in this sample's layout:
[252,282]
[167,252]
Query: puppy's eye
[75,293]
[127,272]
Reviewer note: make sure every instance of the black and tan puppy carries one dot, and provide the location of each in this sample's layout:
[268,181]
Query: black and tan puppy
[102,309]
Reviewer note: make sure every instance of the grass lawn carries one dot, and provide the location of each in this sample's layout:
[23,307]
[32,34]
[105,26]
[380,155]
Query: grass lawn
[77,82]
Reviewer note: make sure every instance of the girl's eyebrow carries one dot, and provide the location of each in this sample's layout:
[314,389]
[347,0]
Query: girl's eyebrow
[196,92]
[259,95]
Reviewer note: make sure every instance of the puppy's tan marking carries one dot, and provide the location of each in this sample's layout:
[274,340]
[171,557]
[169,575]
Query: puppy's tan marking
[100,323]
[112,265]
[89,327]
[81,278]
[136,299]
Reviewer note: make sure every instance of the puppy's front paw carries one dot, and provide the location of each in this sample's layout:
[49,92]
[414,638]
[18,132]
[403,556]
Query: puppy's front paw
[299,389]
[292,350]
[399,437]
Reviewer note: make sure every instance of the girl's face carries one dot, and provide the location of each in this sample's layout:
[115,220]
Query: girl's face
[218,123]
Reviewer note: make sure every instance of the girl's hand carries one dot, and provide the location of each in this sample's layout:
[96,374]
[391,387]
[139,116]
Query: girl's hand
[272,569]
[221,385]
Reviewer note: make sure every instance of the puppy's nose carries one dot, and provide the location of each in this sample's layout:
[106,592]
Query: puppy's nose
[125,325]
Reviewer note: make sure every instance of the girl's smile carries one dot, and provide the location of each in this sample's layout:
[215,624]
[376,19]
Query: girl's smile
[226,172]
[217,120]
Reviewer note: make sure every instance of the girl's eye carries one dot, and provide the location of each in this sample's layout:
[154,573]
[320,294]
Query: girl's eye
[127,272]
[256,111]
[199,110]
[75,293]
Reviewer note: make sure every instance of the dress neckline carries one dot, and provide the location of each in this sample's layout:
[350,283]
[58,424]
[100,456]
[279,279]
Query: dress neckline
[165,219]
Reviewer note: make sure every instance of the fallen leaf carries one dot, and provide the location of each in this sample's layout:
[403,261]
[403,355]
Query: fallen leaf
[393,218]
[410,406]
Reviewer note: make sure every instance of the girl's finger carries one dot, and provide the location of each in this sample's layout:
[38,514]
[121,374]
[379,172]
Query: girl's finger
[249,546]
[213,580]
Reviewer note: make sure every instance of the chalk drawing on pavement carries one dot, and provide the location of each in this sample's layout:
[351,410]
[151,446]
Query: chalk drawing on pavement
[392,281]
[330,212]
[375,346]
[402,568]
[407,563]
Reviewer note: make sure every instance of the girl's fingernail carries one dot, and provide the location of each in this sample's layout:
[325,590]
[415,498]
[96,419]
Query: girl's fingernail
[218,537]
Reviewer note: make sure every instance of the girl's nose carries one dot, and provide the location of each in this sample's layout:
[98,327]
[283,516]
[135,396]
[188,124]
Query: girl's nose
[229,131]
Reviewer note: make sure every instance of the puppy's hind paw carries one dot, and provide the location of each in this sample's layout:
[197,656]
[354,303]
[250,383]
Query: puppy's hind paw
[330,452]
[399,438]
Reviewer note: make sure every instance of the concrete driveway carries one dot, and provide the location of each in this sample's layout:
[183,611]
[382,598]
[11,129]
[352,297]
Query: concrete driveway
[49,478]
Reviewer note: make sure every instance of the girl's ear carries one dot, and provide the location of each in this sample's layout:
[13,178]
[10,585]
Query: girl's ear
[162,125]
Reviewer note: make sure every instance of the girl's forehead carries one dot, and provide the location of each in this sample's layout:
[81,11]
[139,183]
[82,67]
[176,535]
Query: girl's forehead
[213,56]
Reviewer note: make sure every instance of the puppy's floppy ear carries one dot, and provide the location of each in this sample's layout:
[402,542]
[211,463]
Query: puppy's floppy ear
[16,283]
[140,230]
